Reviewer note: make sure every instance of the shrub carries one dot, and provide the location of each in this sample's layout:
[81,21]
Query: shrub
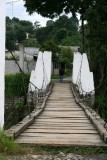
[7,145]
[16,85]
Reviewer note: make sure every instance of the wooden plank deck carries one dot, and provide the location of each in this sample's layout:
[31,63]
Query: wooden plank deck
[62,122]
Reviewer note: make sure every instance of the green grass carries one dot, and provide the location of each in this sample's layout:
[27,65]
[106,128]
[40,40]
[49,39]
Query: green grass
[7,145]
[2,157]
[16,84]
[73,149]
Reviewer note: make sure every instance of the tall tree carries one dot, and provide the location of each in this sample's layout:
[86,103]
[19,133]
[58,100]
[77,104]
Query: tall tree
[57,31]
[16,31]
[54,8]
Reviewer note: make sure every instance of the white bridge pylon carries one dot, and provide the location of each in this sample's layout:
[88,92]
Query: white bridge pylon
[2,60]
[41,76]
[81,75]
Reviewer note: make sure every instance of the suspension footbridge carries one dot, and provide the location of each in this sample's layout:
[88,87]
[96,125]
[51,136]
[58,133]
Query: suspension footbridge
[63,111]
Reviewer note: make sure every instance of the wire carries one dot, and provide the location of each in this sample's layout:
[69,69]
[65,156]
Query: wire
[11,2]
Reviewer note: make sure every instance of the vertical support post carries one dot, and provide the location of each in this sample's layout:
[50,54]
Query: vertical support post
[2,60]
[21,47]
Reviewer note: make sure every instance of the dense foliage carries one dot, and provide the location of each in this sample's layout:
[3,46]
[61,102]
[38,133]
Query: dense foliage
[64,31]
[16,31]
[96,47]
[16,85]
[16,88]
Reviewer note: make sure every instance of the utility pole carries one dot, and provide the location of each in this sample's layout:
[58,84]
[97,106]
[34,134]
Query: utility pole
[83,40]
[2,60]
[21,56]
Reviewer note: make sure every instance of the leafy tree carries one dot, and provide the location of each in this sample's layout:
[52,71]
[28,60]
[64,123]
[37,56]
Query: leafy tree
[15,20]
[66,55]
[54,8]
[74,40]
[10,40]
[60,35]
[51,46]
[71,24]
[62,22]
[49,23]
[16,31]
[21,33]
[31,42]
[58,31]
[43,34]
[96,46]
[36,24]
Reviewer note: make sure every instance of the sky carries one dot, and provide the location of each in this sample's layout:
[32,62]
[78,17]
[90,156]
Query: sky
[18,10]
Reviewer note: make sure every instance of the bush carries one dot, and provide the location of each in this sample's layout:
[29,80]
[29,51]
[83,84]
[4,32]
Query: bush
[66,55]
[16,85]
[7,145]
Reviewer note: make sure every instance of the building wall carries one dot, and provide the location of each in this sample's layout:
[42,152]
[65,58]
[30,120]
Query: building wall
[11,67]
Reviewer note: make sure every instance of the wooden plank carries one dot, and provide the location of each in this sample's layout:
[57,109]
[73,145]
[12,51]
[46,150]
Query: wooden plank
[63,104]
[62,109]
[61,96]
[83,137]
[60,124]
[32,140]
[64,113]
[50,105]
[61,131]
[55,113]
[63,121]
[62,127]
[62,101]
[64,116]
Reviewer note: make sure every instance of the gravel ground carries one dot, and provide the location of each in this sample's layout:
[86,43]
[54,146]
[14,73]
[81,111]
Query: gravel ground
[60,156]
